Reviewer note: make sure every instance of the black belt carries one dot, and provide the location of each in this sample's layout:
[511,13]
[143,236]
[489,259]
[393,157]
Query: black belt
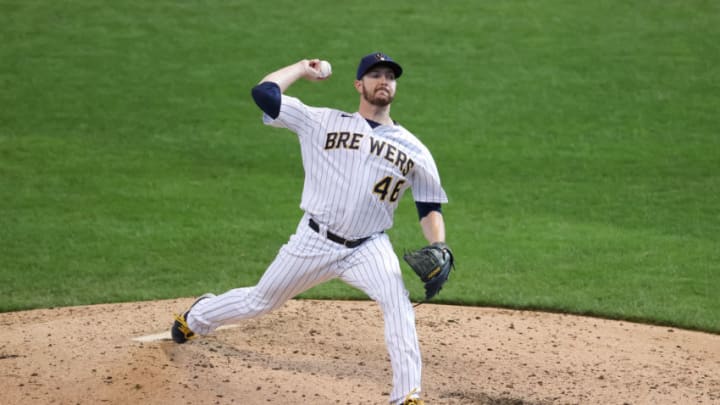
[349,243]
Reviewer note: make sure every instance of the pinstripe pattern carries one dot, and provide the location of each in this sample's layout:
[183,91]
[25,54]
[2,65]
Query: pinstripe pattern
[377,273]
[341,194]
[339,183]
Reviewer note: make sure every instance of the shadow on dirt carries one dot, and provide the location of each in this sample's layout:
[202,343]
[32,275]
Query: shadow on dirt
[483,399]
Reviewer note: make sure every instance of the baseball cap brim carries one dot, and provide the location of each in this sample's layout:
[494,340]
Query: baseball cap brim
[378,59]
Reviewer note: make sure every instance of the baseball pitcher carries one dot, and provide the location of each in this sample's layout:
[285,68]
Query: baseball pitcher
[357,168]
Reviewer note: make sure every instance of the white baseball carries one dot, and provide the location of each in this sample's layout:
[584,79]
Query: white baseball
[325,68]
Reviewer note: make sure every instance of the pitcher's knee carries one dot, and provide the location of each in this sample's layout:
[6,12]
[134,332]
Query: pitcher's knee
[393,302]
[259,304]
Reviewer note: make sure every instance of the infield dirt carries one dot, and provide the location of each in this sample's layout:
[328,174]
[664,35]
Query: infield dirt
[333,352]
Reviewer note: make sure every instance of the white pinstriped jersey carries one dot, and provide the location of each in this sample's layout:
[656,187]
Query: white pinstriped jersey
[355,175]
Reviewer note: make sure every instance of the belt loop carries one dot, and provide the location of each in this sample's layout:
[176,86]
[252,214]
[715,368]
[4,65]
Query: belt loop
[323,230]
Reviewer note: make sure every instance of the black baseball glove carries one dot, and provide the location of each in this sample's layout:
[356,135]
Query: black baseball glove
[433,264]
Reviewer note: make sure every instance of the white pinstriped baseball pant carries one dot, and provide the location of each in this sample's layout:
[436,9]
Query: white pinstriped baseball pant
[309,259]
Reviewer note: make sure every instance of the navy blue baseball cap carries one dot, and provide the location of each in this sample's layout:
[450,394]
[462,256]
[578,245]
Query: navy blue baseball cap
[378,58]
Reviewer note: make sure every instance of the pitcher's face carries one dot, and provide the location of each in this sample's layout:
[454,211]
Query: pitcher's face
[378,86]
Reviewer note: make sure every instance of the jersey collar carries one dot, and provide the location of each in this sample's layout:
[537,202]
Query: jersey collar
[375,124]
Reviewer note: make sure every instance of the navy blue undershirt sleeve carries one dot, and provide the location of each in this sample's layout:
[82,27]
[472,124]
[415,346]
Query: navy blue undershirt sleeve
[267,96]
[424,208]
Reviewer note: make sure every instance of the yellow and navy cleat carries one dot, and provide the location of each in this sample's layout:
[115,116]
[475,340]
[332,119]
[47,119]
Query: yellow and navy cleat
[412,401]
[180,331]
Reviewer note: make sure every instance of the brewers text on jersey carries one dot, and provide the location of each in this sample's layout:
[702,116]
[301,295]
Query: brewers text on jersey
[346,140]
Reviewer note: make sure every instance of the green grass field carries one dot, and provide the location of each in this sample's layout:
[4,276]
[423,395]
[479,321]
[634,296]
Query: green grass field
[579,143]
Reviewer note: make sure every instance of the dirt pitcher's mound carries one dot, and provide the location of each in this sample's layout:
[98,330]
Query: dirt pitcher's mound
[328,352]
